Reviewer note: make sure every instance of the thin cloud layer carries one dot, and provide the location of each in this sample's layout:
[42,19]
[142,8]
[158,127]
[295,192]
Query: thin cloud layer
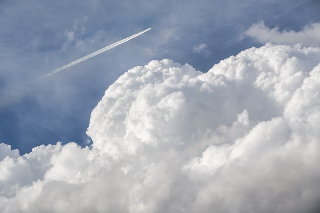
[308,36]
[243,137]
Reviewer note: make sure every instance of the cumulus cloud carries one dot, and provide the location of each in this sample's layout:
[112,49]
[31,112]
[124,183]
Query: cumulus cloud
[5,150]
[308,36]
[243,137]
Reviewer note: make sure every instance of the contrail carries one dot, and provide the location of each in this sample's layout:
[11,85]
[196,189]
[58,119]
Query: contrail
[94,54]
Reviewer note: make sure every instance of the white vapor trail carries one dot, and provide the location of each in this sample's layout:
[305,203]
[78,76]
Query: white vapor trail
[94,54]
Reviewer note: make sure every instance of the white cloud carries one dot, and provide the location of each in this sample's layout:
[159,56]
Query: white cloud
[243,137]
[5,150]
[308,36]
[199,48]
[74,32]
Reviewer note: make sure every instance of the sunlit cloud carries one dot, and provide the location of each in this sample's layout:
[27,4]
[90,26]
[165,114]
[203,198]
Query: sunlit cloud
[242,137]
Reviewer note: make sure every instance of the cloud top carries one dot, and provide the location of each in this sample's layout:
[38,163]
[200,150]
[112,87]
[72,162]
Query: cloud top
[308,36]
[243,137]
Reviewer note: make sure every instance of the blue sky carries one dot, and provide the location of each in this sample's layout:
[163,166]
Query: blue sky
[40,36]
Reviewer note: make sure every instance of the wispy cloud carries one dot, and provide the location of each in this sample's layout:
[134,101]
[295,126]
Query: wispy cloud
[308,36]
[199,48]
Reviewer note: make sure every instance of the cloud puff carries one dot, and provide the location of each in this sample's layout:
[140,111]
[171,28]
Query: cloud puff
[199,48]
[308,36]
[243,137]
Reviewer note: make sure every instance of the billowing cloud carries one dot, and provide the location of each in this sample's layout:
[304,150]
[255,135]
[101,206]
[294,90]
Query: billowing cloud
[308,36]
[243,137]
